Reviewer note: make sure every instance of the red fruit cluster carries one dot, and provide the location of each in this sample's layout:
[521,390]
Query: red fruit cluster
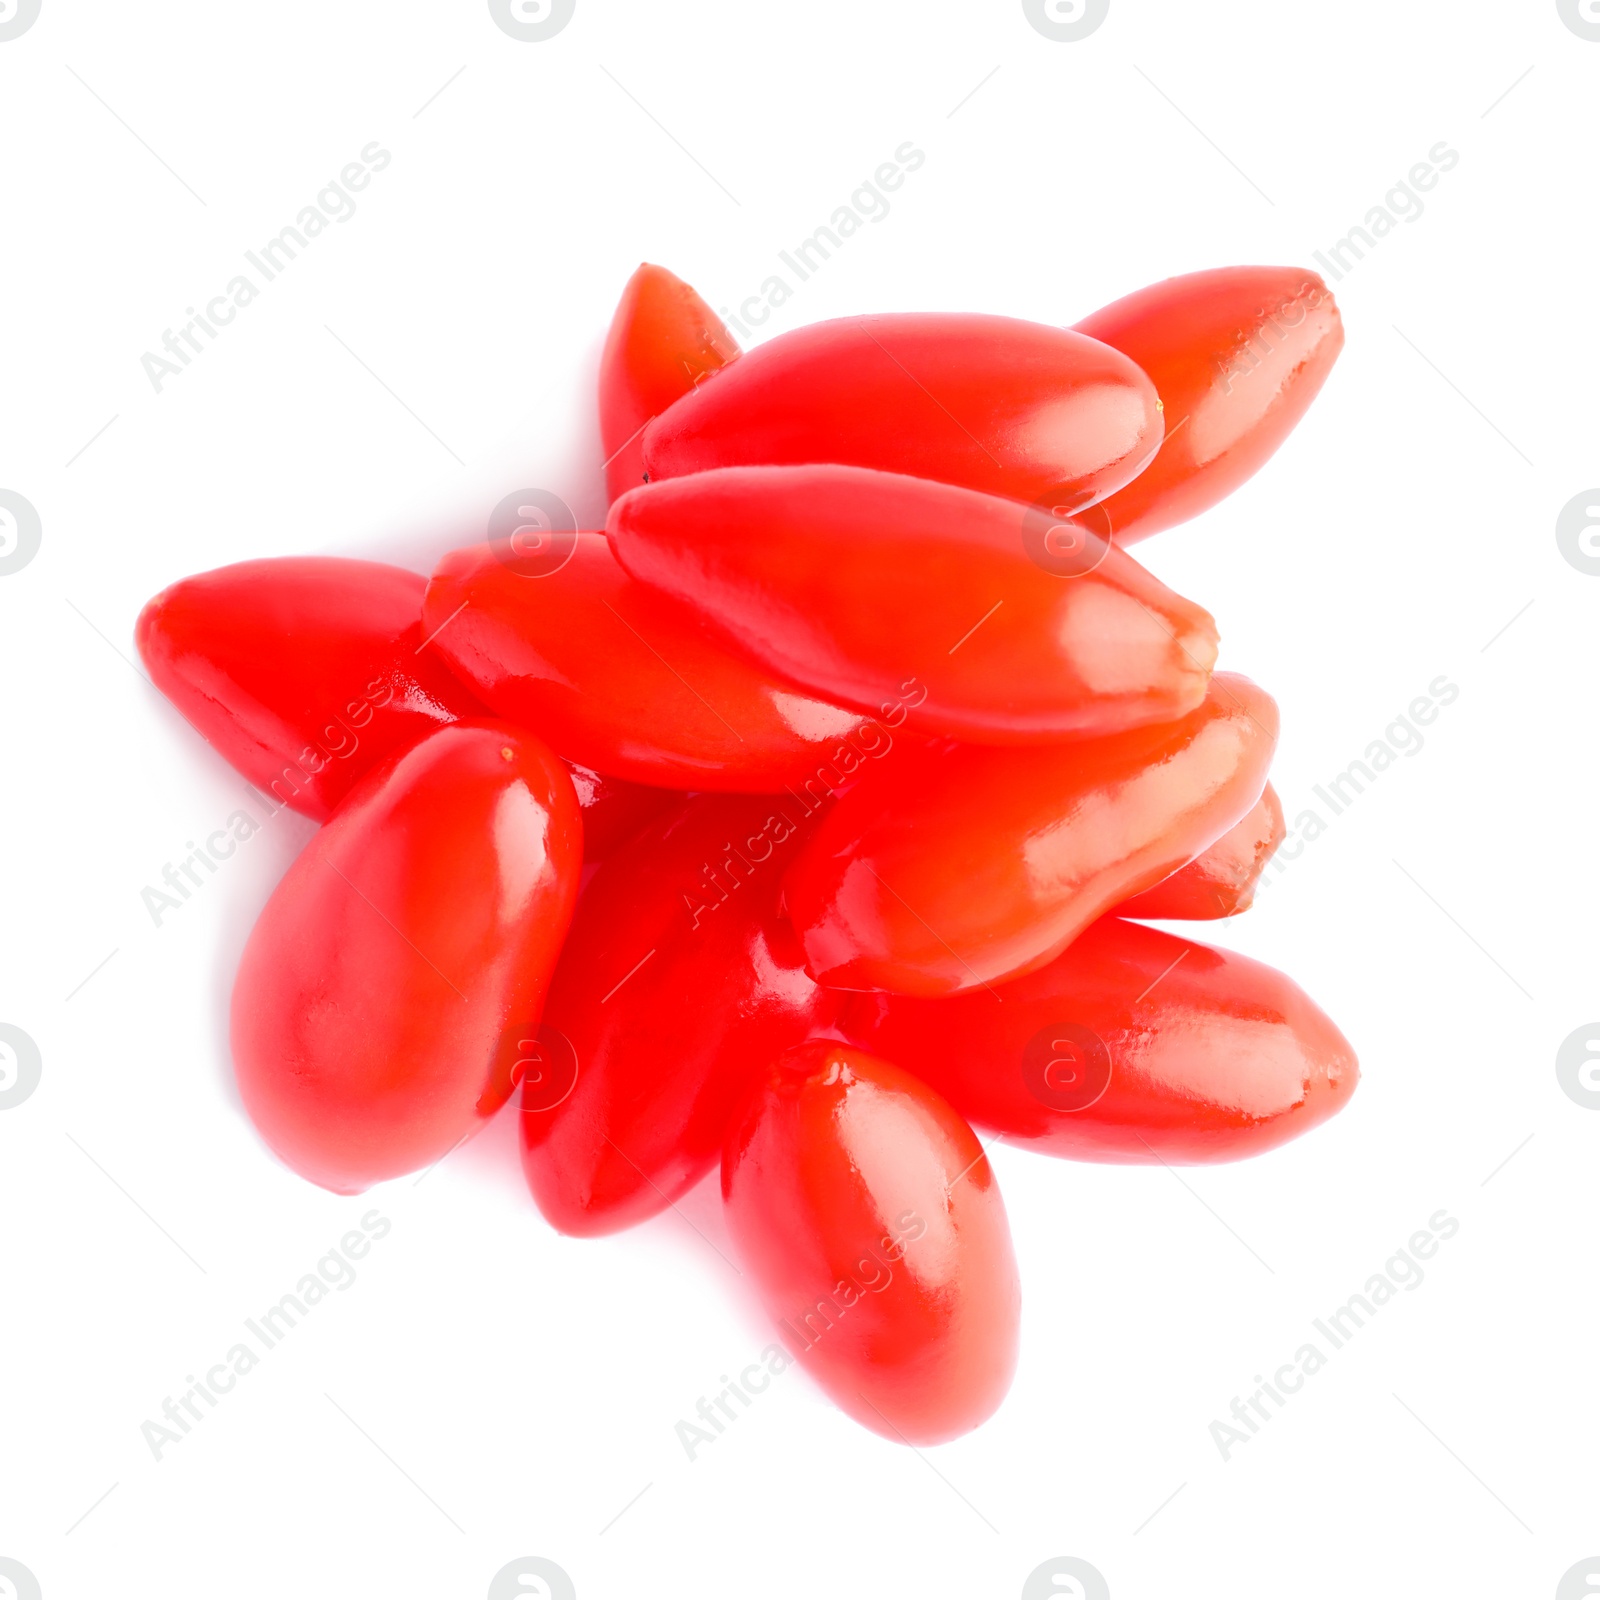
[883,736]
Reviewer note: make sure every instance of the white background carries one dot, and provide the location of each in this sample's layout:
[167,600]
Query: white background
[487,1389]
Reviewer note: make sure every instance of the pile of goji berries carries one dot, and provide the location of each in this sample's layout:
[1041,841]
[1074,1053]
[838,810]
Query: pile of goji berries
[880,738]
